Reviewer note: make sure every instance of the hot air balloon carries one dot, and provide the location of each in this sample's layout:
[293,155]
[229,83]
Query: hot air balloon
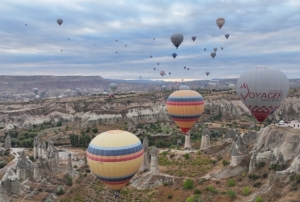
[177,39]
[221,48]
[215,49]
[113,87]
[68,38]
[174,55]
[226,35]
[163,87]
[35,90]
[60,50]
[204,49]
[140,77]
[153,38]
[37,97]
[162,73]
[231,86]
[158,63]
[25,24]
[59,21]
[154,68]
[169,73]
[207,73]
[150,56]
[185,107]
[184,67]
[262,90]
[116,51]
[188,68]
[184,87]
[213,54]
[193,38]
[114,157]
[116,40]
[220,22]
[213,84]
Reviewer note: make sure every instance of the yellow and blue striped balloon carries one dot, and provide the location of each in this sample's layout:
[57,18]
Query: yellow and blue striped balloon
[114,157]
[185,107]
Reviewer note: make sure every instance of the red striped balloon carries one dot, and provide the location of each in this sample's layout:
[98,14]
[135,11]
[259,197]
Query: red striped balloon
[185,107]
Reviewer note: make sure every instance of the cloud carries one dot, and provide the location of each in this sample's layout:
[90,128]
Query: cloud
[262,33]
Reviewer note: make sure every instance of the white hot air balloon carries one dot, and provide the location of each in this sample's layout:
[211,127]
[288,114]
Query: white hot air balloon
[262,90]
[113,87]
[213,84]
[231,86]
[184,87]
[177,39]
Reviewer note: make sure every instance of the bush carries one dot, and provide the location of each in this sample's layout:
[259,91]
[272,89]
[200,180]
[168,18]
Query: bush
[59,123]
[188,184]
[197,191]
[246,191]
[231,194]
[225,163]
[261,164]
[95,130]
[69,180]
[231,183]
[2,164]
[212,189]
[60,190]
[258,199]
[186,156]
[170,196]
[253,176]
[257,184]
[88,170]
[88,129]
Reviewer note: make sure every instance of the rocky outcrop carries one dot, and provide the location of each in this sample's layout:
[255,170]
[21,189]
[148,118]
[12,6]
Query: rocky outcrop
[239,151]
[10,182]
[205,140]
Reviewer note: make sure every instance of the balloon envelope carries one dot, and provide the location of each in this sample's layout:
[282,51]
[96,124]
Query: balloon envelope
[220,22]
[113,87]
[184,67]
[185,107]
[262,90]
[174,55]
[162,73]
[35,90]
[114,157]
[59,21]
[226,35]
[231,86]
[207,73]
[213,54]
[177,39]
[215,49]
[193,38]
[204,49]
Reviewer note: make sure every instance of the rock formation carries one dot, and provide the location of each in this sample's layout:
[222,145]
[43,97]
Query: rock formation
[7,144]
[145,164]
[205,140]
[24,167]
[10,182]
[239,151]
[154,161]
[187,141]
[70,167]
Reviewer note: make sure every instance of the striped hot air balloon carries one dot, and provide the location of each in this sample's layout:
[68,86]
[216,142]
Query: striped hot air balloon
[114,157]
[185,107]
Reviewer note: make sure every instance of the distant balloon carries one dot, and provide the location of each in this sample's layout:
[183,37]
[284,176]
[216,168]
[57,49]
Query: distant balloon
[184,87]
[154,68]
[60,50]
[116,51]
[25,24]
[215,49]
[231,86]
[188,68]
[220,22]
[193,38]
[184,67]
[207,73]
[169,73]
[113,87]
[185,107]
[204,49]
[158,63]
[213,54]
[213,84]
[177,39]
[93,44]
[162,73]
[37,97]
[153,38]
[35,90]
[140,77]
[226,35]
[163,87]
[150,56]
[59,21]
[116,40]
[262,90]
[174,55]
[125,45]
[221,48]
[68,38]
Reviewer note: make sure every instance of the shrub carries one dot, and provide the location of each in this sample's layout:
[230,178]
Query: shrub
[231,183]
[188,184]
[60,190]
[253,176]
[261,164]
[197,191]
[201,181]
[170,196]
[257,184]
[69,180]
[246,191]
[212,189]
[95,130]
[88,129]
[88,170]
[258,199]
[59,123]
[75,166]
[186,156]
[124,192]
[225,163]
[231,194]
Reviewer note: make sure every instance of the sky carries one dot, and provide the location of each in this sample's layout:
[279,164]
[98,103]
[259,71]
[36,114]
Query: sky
[262,33]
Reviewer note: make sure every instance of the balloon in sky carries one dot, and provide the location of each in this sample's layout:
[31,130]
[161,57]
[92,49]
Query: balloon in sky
[113,87]
[262,90]
[60,50]
[140,77]
[184,87]
[153,38]
[35,90]
[150,56]
[185,107]
[204,49]
[162,73]
[231,86]
[220,22]
[116,51]
[114,157]
[59,21]
[158,63]
[221,48]
[184,67]
[226,35]
[193,38]
[169,73]
[125,45]
[215,49]
[25,24]
[213,54]
[188,68]
[116,40]
[207,73]
[174,55]
[177,39]
[154,68]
